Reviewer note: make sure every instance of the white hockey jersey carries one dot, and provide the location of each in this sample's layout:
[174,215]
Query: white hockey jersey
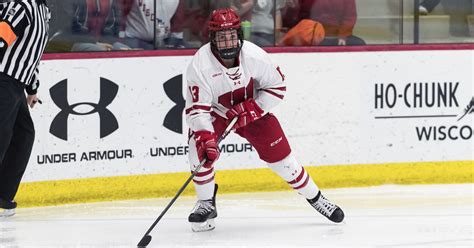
[211,87]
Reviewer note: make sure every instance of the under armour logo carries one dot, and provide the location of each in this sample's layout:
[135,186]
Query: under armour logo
[253,114]
[108,122]
[174,90]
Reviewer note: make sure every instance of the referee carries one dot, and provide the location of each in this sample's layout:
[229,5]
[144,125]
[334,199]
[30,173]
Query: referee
[23,36]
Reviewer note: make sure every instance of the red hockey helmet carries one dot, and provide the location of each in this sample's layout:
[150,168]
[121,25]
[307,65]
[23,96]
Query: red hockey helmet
[223,20]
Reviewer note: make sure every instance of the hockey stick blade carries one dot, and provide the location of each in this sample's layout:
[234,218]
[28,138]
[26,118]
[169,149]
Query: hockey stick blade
[144,242]
[147,237]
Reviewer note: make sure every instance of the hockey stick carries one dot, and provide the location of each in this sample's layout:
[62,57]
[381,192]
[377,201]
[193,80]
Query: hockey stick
[147,237]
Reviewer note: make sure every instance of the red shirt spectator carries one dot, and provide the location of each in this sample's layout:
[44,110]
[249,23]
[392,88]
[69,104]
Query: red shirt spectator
[96,17]
[337,16]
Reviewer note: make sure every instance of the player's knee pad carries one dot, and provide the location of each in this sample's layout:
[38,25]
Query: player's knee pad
[291,171]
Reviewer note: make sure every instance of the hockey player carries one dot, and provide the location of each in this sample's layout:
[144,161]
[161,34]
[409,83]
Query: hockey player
[229,78]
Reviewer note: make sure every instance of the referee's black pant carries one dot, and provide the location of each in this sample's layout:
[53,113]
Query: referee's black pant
[17,135]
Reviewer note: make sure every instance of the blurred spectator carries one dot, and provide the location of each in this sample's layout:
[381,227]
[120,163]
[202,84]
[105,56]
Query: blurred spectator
[337,16]
[427,6]
[470,20]
[197,18]
[140,24]
[98,23]
[83,25]
[264,23]
[60,30]
[458,10]
[306,33]
[244,8]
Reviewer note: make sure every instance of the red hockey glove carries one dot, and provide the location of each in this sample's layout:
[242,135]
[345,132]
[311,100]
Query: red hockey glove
[206,146]
[247,111]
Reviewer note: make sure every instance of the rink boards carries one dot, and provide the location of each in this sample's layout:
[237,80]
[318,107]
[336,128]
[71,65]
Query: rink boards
[115,129]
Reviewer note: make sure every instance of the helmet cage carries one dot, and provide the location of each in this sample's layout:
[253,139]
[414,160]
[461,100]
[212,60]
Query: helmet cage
[226,53]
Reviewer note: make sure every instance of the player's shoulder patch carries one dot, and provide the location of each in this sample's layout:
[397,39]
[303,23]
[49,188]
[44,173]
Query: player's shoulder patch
[11,12]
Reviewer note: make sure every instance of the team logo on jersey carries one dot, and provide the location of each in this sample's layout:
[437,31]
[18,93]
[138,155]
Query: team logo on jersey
[234,76]
[108,122]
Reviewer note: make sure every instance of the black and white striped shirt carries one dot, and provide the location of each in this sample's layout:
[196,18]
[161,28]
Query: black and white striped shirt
[24,28]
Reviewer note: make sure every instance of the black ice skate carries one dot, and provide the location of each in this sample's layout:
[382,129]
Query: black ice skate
[326,208]
[203,214]
[7,208]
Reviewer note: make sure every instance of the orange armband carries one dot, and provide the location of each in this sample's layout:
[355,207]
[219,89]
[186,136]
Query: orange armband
[6,33]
